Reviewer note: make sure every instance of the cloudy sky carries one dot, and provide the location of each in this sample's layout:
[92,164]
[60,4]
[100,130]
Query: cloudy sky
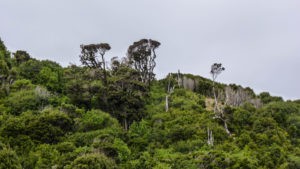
[257,41]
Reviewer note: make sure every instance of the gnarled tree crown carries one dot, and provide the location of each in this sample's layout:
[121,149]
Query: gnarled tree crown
[89,54]
[141,55]
[216,69]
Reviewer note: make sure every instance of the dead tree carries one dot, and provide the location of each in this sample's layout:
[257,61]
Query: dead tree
[169,92]
[179,79]
[210,138]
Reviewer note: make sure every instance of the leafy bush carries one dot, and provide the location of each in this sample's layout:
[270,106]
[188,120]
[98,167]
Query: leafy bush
[93,161]
[95,120]
[8,158]
[26,99]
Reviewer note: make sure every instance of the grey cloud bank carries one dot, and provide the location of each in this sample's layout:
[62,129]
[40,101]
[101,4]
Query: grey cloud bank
[257,41]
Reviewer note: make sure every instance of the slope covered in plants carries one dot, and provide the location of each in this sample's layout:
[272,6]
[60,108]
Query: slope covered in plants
[119,116]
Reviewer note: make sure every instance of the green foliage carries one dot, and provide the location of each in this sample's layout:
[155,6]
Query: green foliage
[93,161]
[88,138]
[83,87]
[50,79]
[30,69]
[241,120]
[124,152]
[3,67]
[7,72]
[46,73]
[205,87]
[47,127]
[5,54]
[69,153]
[21,56]
[65,147]
[186,100]
[71,110]
[95,120]
[44,157]
[127,96]
[139,134]
[25,99]
[267,98]
[22,84]
[8,158]
[281,111]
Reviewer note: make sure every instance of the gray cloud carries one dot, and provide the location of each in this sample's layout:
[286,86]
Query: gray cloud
[257,41]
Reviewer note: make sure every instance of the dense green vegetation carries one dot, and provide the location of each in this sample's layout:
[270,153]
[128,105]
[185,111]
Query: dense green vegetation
[115,116]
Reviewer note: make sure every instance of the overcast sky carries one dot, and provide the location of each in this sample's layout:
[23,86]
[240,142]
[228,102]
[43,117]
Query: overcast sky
[257,41]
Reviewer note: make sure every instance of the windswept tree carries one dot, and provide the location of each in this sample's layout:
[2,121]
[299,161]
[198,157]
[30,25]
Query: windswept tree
[90,54]
[217,69]
[141,56]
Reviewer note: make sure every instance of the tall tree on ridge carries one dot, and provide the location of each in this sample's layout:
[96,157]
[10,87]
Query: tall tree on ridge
[217,69]
[141,56]
[89,57]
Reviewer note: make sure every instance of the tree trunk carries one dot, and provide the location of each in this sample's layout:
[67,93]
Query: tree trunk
[125,124]
[104,70]
[167,103]
[210,139]
[168,93]
[226,128]
[216,100]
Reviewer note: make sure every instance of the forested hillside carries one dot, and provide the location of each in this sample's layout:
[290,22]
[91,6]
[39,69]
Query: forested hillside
[116,114]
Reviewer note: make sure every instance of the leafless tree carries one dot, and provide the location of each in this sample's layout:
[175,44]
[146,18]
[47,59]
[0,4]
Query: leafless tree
[210,138]
[236,96]
[169,92]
